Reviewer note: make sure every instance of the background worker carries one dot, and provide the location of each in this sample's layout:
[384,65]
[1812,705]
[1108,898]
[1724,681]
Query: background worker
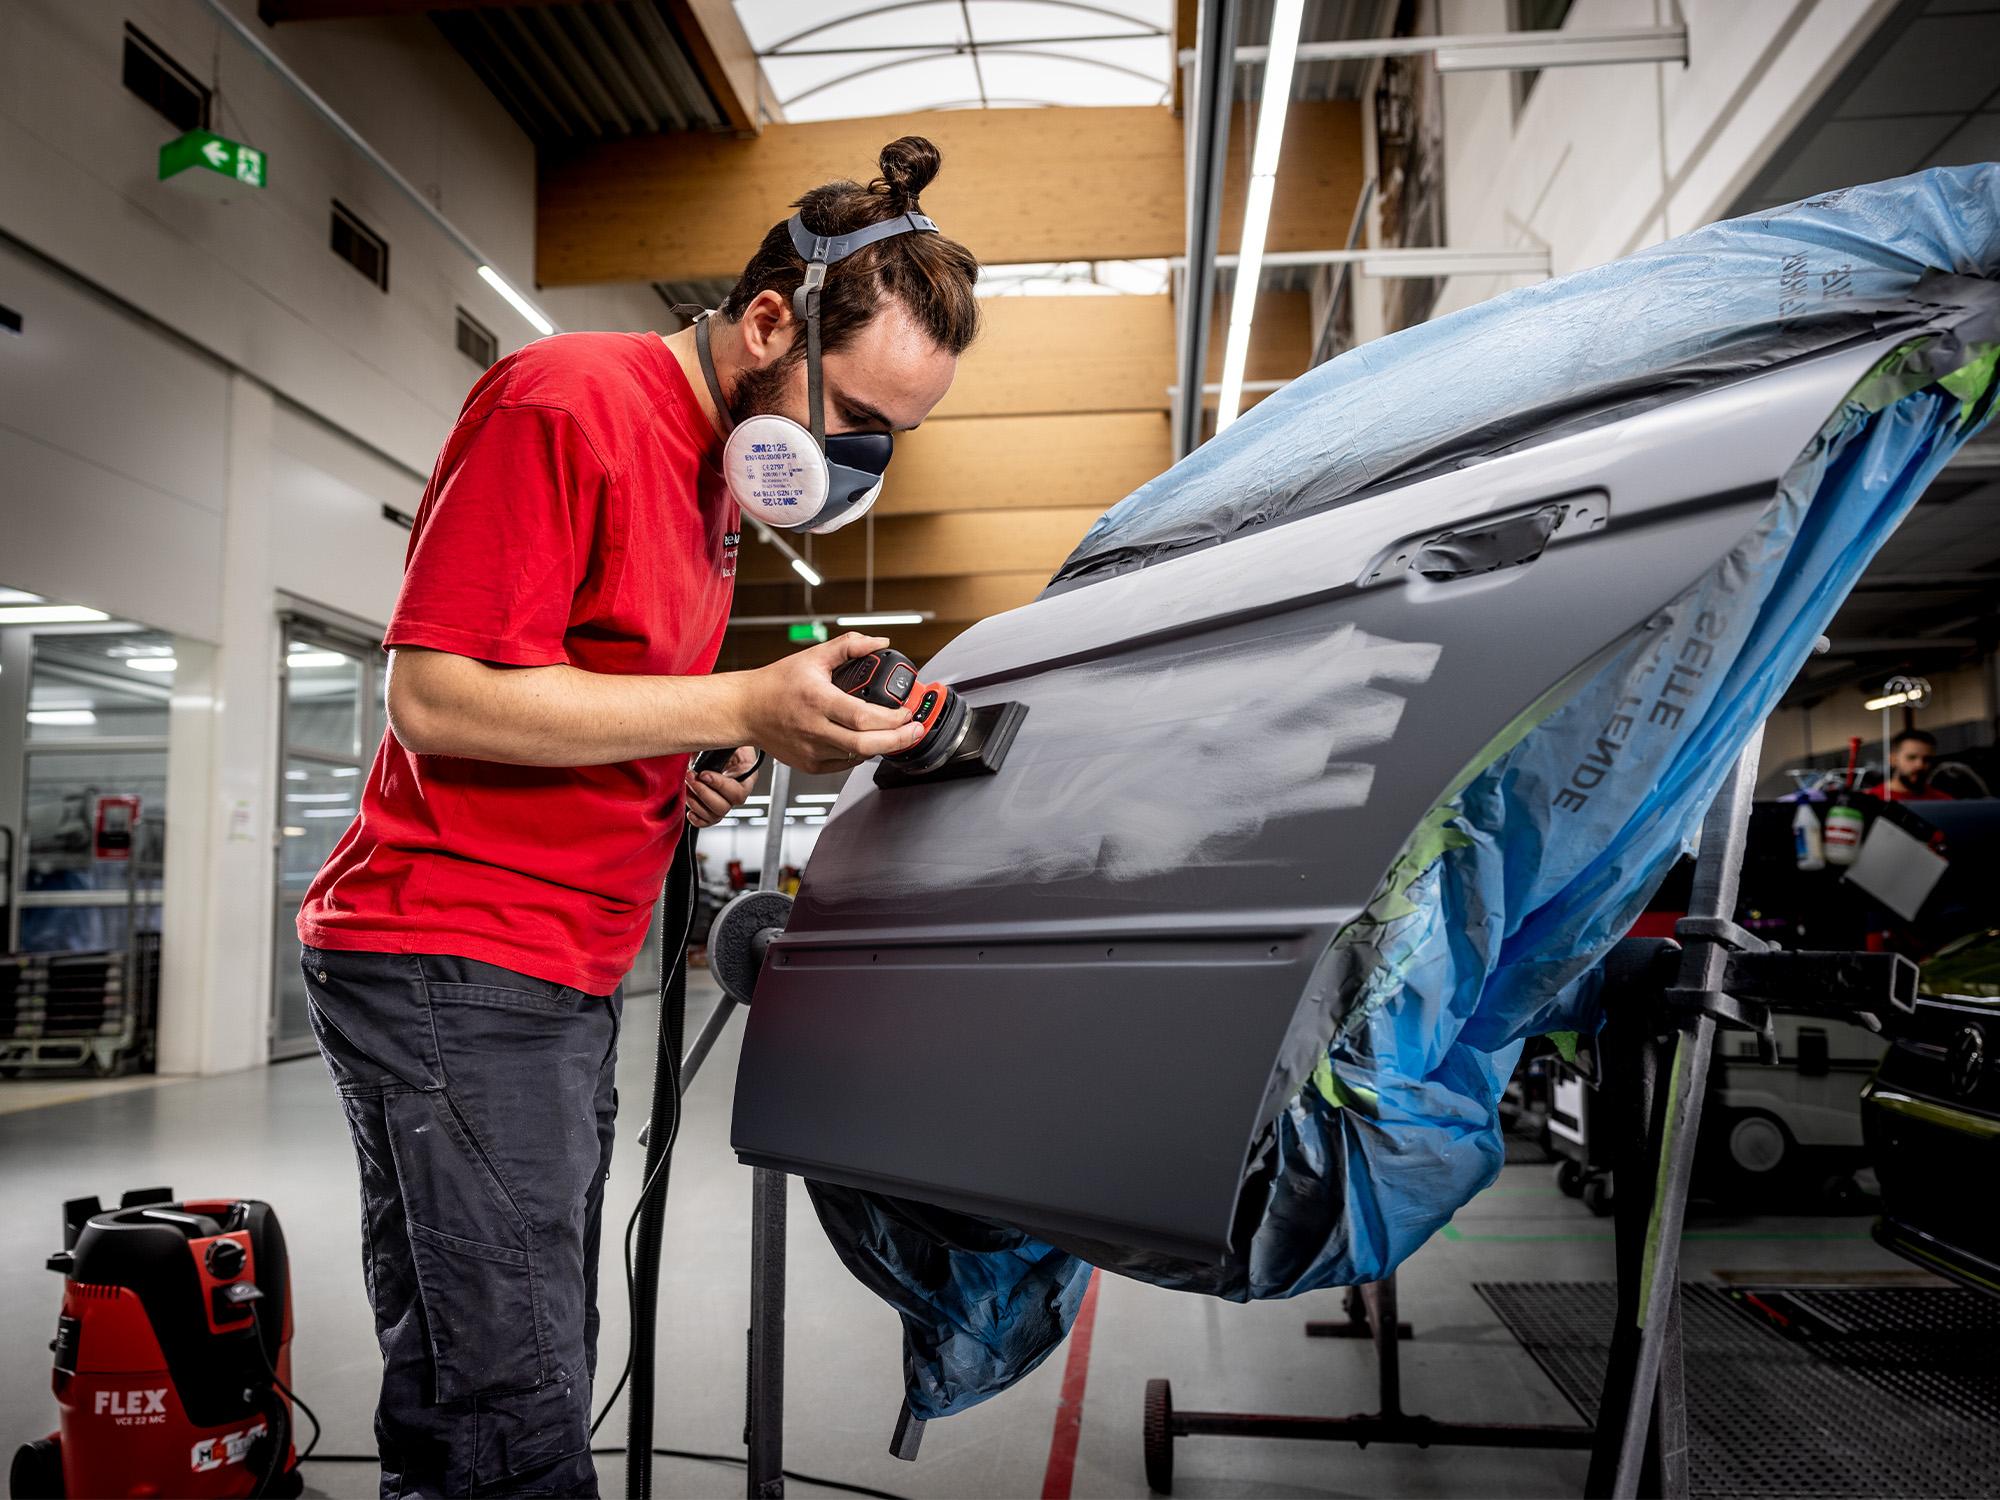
[566,589]
[1911,757]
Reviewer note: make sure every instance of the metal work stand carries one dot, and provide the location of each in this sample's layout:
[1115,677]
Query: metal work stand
[1664,1001]
[764,1368]
[764,1397]
[1371,1314]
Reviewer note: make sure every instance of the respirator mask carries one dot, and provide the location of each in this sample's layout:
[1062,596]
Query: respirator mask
[795,478]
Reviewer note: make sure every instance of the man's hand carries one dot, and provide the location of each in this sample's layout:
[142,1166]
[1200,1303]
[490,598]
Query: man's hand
[797,714]
[710,794]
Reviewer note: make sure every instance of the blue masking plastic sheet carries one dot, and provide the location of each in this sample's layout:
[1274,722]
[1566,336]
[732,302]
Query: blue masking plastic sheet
[1490,926]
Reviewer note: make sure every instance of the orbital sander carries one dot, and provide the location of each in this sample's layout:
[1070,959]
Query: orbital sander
[958,740]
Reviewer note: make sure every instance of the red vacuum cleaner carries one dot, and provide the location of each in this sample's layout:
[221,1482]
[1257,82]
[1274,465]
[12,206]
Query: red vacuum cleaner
[172,1354]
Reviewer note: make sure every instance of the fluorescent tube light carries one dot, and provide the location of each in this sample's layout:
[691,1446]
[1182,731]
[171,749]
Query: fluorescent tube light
[1891,700]
[760,798]
[329,812]
[519,303]
[294,833]
[62,718]
[817,797]
[805,570]
[151,663]
[50,614]
[315,659]
[906,617]
[345,771]
[1284,50]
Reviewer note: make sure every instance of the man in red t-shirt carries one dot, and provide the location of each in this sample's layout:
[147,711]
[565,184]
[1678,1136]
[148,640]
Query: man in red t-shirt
[564,597]
[1911,755]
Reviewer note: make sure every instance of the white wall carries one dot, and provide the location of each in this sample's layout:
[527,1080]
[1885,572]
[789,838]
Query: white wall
[252,279]
[207,410]
[1604,161]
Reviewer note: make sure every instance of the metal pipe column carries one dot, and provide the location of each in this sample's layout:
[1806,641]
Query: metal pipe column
[1214,81]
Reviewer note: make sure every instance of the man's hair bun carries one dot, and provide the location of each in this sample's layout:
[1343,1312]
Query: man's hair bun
[931,276]
[908,165]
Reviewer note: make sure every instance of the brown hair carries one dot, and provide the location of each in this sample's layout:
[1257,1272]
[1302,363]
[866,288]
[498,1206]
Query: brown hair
[929,274]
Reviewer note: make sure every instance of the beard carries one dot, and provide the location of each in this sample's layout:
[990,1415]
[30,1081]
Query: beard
[759,391]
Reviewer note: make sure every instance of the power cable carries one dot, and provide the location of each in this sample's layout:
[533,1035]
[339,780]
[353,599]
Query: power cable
[689,1454]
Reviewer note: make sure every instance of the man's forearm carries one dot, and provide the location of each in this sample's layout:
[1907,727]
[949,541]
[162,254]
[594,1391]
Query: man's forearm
[441,704]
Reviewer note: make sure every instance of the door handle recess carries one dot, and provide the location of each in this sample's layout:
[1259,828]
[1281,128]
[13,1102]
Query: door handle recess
[1487,546]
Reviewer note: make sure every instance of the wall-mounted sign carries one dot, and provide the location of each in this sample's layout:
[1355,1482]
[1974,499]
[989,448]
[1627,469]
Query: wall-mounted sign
[215,161]
[806,631]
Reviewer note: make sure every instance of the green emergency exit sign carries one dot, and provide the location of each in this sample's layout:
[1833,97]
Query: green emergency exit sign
[204,153]
[809,631]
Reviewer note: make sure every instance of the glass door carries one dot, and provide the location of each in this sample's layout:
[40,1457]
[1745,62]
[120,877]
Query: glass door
[93,818]
[80,973]
[331,721]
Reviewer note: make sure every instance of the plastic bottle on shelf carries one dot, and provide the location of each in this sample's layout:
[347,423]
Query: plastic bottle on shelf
[1808,847]
[1843,832]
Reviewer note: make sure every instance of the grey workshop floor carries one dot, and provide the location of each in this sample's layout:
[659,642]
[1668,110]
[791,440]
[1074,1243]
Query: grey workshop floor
[276,1134]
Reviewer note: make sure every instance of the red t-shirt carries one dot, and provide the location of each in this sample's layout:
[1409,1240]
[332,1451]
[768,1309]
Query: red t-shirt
[576,515]
[1888,791]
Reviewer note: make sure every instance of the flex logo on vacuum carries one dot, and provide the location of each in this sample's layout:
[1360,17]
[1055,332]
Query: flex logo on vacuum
[133,1408]
[230,1448]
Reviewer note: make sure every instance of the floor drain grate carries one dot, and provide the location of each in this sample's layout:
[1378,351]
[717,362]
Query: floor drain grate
[1800,1392]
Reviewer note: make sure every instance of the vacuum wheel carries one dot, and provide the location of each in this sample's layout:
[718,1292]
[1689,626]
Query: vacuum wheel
[1758,1145]
[1159,1436]
[37,1473]
[1597,1194]
[1569,1177]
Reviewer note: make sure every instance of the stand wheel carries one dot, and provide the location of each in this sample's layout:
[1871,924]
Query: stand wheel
[1597,1195]
[1760,1147]
[37,1473]
[1159,1436]
[1569,1177]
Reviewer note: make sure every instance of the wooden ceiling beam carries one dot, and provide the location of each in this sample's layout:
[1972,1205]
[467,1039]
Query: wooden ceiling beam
[1025,463]
[969,542]
[955,599]
[720,50]
[690,206]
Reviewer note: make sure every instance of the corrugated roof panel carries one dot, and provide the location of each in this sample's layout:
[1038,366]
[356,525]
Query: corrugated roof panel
[585,72]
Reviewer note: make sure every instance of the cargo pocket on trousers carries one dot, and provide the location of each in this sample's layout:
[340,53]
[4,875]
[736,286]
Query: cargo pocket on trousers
[483,1310]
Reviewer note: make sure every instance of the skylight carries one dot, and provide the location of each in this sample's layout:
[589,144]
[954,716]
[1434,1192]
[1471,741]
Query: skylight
[849,58]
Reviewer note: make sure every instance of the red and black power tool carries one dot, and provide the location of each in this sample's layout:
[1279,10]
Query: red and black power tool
[173,1359]
[889,679]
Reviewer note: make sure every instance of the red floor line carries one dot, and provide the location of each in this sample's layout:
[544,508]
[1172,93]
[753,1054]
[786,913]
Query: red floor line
[1069,1405]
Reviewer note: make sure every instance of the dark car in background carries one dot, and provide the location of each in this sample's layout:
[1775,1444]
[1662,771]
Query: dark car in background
[1932,1119]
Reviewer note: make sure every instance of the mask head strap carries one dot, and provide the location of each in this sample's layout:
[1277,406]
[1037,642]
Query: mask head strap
[819,251]
[701,315]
